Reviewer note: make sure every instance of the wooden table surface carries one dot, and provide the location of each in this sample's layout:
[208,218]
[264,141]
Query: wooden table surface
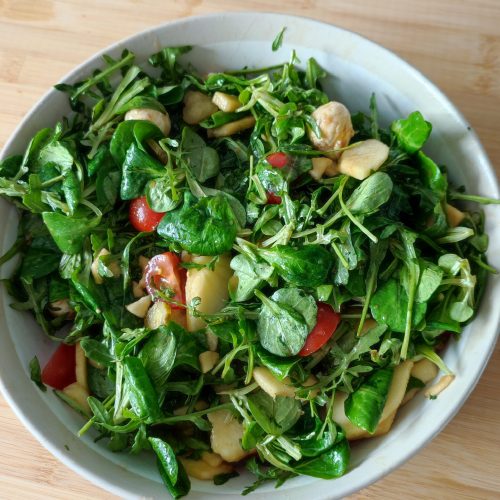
[454,42]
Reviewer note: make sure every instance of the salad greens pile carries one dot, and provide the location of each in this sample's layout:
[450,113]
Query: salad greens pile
[375,261]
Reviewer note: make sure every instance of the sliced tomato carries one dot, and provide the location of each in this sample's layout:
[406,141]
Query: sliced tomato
[273,199]
[142,217]
[165,279]
[326,324]
[60,371]
[278,160]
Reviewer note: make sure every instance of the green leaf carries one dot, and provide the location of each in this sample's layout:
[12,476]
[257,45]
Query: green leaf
[97,351]
[171,471]
[160,196]
[204,160]
[278,41]
[279,366]
[412,132]
[432,176]
[143,397]
[365,405]
[69,233]
[36,374]
[389,306]
[308,265]
[207,227]
[138,169]
[371,194]
[281,328]
[329,465]
[251,274]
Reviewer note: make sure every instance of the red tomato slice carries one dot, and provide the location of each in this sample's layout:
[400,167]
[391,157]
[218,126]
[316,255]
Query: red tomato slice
[273,199]
[60,372]
[142,217]
[326,324]
[164,274]
[277,160]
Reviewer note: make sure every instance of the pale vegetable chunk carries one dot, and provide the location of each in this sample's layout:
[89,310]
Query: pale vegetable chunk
[226,435]
[226,102]
[138,290]
[81,367]
[197,107]
[200,469]
[60,308]
[140,307]
[319,167]
[440,386]
[424,370]
[232,128]
[161,120]
[271,385]
[334,123]
[208,360]
[114,267]
[158,315]
[79,395]
[363,158]
[210,286]
[453,215]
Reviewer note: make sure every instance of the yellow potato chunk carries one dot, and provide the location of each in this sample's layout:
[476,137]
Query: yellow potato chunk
[319,167]
[208,360]
[200,469]
[453,215]
[81,366]
[197,107]
[232,128]
[271,385]
[226,102]
[161,120]
[79,395]
[140,307]
[363,158]
[226,435]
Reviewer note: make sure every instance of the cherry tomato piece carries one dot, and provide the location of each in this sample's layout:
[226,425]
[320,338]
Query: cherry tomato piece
[165,278]
[273,199]
[326,324]
[277,160]
[142,217]
[60,370]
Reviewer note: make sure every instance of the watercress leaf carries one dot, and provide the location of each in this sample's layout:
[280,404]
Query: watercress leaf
[69,233]
[99,383]
[329,465]
[167,60]
[158,357]
[160,196]
[10,166]
[314,72]
[39,262]
[207,227]
[275,416]
[279,366]
[36,374]
[108,182]
[315,440]
[432,176]
[430,279]
[72,191]
[238,209]
[251,274]
[365,405]
[97,351]
[301,302]
[171,470]
[143,397]
[412,132]
[278,41]
[138,169]
[308,265]
[204,160]
[141,102]
[371,194]
[282,330]
[101,415]
[389,306]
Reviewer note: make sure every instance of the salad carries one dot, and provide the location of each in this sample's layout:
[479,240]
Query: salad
[239,272]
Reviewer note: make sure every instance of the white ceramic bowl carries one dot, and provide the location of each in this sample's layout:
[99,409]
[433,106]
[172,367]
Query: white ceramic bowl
[358,67]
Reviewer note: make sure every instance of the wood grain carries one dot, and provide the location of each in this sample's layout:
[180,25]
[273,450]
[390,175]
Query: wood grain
[455,43]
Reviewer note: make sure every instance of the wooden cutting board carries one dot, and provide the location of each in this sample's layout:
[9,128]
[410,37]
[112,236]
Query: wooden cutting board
[454,42]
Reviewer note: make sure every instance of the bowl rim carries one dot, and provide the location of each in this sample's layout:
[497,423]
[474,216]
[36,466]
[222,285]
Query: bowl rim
[101,480]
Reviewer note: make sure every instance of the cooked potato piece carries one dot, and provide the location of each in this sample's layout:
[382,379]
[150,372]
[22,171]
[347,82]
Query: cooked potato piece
[210,286]
[334,122]
[143,262]
[161,120]
[424,370]
[79,395]
[438,388]
[208,360]
[232,128]
[138,290]
[61,308]
[319,167]
[158,315]
[363,158]
[211,458]
[197,107]
[114,267]
[226,435]
[453,215]
[270,384]
[200,469]
[81,367]
[332,170]
[140,307]
[394,398]
[226,102]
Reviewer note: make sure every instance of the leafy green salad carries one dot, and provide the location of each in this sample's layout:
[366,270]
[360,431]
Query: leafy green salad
[239,272]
